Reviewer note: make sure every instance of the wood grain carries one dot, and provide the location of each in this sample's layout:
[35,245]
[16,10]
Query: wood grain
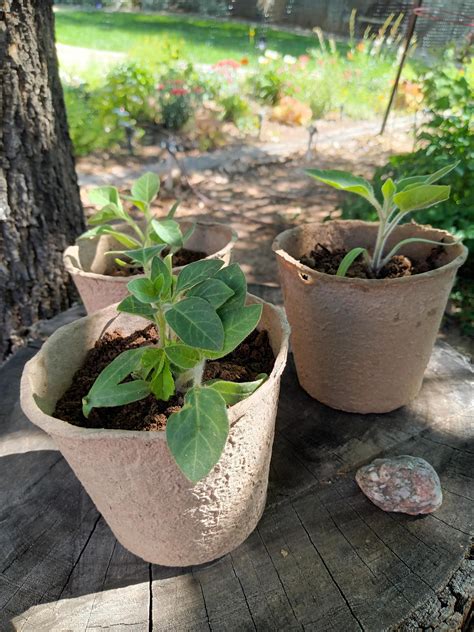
[322,558]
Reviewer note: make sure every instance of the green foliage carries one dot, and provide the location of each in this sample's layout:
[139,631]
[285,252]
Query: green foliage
[200,314]
[400,197]
[89,127]
[446,137]
[129,87]
[142,242]
[267,84]
[99,117]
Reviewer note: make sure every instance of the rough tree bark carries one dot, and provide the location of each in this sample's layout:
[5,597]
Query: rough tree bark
[40,207]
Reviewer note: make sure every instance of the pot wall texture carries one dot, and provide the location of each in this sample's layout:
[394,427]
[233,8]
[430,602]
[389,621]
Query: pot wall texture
[153,510]
[362,345]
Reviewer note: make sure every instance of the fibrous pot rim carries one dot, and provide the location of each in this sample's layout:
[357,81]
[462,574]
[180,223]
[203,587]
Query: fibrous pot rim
[308,273]
[71,257]
[58,427]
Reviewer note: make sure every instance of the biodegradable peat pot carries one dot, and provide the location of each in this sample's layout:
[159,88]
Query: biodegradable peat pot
[153,510]
[362,345]
[89,265]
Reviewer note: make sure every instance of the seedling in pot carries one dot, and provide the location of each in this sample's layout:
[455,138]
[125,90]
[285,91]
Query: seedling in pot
[153,235]
[200,315]
[400,198]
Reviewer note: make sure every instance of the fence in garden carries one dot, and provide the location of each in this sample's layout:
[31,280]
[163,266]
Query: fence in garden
[440,21]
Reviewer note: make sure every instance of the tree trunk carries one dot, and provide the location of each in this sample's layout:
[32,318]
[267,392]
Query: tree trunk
[40,207]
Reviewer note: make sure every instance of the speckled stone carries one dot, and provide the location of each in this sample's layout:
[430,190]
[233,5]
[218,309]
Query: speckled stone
[407,484]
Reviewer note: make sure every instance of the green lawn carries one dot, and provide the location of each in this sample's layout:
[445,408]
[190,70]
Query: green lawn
[151,35]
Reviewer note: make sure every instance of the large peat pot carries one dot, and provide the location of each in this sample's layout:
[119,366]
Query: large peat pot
[362,345]
[90,266]
[153,510]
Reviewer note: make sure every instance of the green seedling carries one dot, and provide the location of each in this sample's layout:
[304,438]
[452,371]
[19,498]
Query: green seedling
[400,198]
[199,315]
[151,235]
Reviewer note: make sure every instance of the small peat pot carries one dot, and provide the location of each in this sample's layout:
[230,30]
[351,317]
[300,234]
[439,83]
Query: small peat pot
[362,345]
[91,268]
[131,476]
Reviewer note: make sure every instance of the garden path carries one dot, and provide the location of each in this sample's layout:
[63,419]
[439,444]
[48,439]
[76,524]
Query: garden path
[322,558]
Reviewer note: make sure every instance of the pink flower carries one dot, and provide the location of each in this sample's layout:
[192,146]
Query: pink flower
[232,63]
[160,86]
[179,92]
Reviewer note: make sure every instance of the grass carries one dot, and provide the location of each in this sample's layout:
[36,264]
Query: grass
[200,40]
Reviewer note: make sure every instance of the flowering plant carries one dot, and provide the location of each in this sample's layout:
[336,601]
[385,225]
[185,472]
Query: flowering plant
[177,96]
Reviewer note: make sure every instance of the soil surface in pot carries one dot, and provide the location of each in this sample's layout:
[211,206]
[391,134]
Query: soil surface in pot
[253,356]
[180,258]
[324,260]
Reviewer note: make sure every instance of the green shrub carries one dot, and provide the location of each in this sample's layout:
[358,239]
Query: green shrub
[267,84]
[90,128]
[129,87]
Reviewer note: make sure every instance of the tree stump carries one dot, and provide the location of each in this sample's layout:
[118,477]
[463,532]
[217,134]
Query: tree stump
[322,558]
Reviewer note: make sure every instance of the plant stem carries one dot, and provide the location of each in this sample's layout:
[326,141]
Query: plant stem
[162,327]
[190,378]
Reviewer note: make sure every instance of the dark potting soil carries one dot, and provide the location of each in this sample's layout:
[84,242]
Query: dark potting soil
[324,260]
[180,258]
[253,356]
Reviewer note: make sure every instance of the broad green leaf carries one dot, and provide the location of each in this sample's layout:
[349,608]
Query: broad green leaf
[196,435]
[234,278]
[344,181]
[125,240]
[423,196]
[182,356]
[162,384]
[144,290]
[107,390]
[102,196]
[238,324]
[143,255]
[142,206]
[131,305]
[213,291]
[168,231]
[153,358]
[349,260]
[194,273]
[106,214]
[427,179]
[388,190]
[196,323]
[159,268]
[146,187]
[234,392]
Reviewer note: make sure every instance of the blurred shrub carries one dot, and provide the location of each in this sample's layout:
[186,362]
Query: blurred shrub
[178,95]
[90,127]
[129,87]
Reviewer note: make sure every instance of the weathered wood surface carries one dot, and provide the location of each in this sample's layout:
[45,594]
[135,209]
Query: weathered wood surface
[322,558]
